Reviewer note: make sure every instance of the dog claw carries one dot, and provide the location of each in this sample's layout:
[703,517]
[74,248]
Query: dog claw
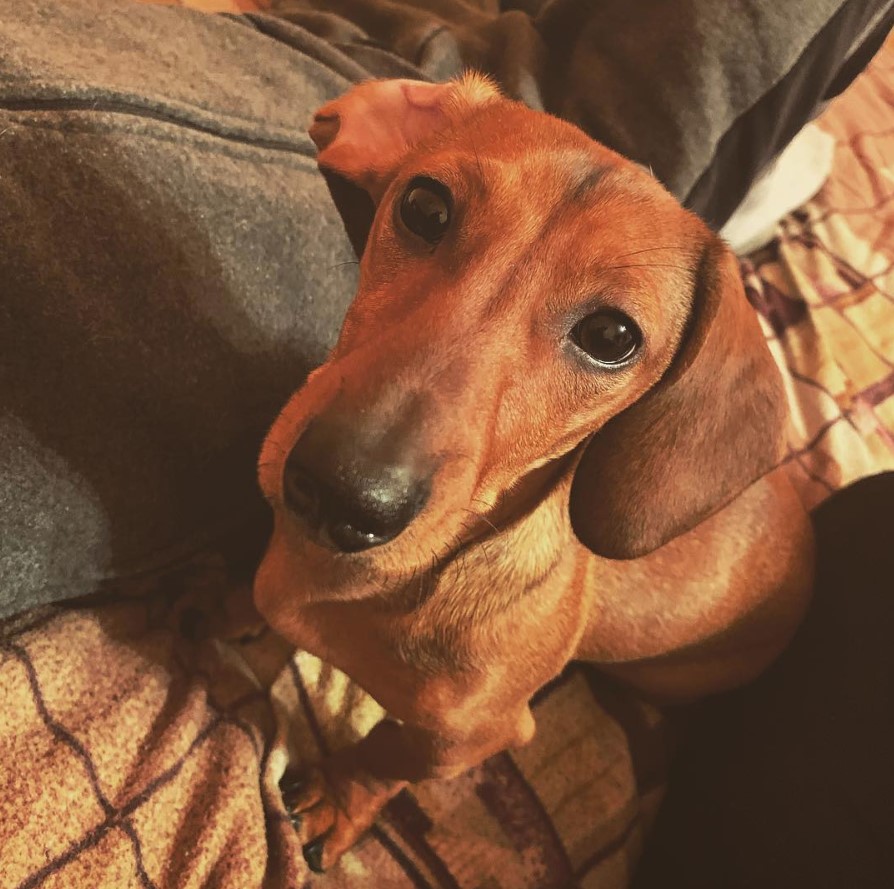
[331,807]
[291,789]
[313,855]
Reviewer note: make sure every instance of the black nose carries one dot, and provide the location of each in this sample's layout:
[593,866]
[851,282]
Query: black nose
[355,498]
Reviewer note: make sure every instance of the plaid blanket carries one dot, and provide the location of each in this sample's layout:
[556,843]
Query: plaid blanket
[825,293]
[137,750]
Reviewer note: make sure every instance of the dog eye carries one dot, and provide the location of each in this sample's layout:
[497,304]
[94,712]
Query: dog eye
[425,209]
[608,336]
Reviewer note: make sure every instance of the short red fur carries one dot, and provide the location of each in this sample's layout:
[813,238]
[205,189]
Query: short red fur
[632,517]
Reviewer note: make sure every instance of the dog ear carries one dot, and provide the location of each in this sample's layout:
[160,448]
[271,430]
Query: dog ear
[363,137]
[709,428]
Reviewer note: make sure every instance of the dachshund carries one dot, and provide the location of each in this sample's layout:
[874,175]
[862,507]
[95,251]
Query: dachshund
[550,429]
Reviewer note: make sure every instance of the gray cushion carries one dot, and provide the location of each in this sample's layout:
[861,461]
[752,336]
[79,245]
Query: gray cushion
[171,267]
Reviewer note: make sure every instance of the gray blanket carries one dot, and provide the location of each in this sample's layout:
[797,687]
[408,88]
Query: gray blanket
[170,269]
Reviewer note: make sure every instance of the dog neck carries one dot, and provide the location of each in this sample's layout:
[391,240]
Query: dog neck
[440,620]
[490,575]
[511,544]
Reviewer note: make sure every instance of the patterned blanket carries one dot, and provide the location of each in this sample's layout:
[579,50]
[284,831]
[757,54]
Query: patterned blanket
[825,293]
[137,750]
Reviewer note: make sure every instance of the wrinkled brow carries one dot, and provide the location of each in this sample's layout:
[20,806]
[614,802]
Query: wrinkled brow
[585,183]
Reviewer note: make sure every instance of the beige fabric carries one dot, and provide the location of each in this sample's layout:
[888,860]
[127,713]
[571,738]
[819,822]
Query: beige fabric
[132,756]
[825,293]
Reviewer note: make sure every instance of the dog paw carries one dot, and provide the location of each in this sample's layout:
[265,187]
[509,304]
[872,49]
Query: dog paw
[331,807]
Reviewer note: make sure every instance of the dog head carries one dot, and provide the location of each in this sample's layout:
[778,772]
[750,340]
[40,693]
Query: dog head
[530,304]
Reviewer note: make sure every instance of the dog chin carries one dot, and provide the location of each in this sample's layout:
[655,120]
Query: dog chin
[296,572]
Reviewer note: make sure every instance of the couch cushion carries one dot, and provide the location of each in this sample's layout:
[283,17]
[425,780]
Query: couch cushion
[171,267]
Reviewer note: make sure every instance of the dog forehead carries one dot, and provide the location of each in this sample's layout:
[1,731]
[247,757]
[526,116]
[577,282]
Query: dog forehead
[563,215]
[577,204]
[555,177]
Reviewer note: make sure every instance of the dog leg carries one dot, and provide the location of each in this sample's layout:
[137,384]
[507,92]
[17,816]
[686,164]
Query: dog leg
[336,802]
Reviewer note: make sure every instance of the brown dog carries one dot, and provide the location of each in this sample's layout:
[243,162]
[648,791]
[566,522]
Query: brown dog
[547,358]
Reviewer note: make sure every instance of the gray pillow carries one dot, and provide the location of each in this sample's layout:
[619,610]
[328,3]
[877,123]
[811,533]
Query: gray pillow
[171,267]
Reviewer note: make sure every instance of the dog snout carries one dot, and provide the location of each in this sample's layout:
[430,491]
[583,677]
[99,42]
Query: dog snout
[353,495]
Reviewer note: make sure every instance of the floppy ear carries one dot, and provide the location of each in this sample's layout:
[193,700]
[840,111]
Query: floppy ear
[709,428]
[364,136]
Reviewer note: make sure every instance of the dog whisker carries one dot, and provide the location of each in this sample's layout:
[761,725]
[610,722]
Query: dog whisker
[492,525]
[477,157]
[648,265]
[483,518]
[421,594]
[486,554]
[463,566]
[646,250]
[457,540]
[433,572]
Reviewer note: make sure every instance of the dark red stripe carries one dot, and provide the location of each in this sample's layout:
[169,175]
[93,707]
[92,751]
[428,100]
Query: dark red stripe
[817,437]
[59,732]
[521,815]
[145,880]
[307,707]
[92,837]
[813,476]
[878,392]
[608,850]
[854,278]
[10,627]
[171,772]
[414,875]
[397,810]
[411,823]
[828,211]
[779,310]
[809,381]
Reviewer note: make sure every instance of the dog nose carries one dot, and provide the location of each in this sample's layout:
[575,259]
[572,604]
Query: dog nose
[354,498]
